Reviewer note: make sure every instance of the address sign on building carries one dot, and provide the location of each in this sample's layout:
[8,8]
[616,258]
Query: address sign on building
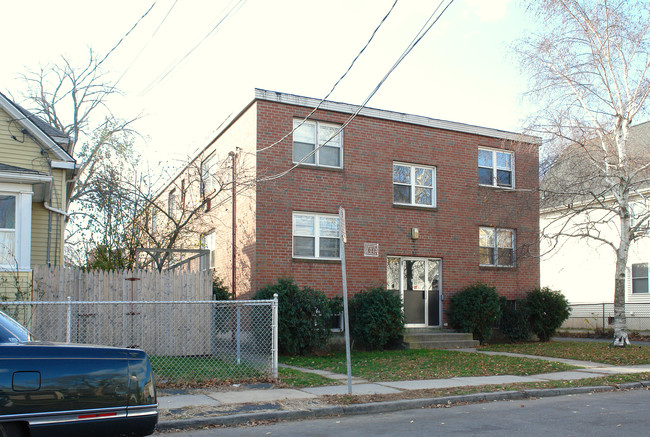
[371,249]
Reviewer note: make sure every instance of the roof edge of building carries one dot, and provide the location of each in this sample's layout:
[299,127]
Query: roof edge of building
[346,108]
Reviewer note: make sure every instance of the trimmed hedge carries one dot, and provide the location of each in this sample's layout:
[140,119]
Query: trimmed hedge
[547,309]
[304,316]
[376,318]
[475,309]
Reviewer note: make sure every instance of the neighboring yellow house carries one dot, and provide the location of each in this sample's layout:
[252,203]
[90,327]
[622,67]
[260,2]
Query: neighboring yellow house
[36,178]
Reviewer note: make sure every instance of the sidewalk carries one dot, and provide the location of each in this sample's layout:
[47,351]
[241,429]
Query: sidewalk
[258,403]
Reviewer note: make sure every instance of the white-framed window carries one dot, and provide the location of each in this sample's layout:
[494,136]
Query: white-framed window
[209,176]
[316,143]
[15,226]
[316,235]
[7,228]
[414,185]
[209,242]
[496,168]
[640,278]
[496,247]
[172,204]
[638,210]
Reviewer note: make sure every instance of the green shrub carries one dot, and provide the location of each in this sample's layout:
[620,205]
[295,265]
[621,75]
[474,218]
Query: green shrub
[547,310]
[219,289]
[304,316]
[475,309]
[376,318]
[514,320]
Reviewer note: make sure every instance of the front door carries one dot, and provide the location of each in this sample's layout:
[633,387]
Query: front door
[418,282]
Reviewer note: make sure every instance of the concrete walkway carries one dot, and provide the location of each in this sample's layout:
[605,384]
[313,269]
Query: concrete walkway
[233,402]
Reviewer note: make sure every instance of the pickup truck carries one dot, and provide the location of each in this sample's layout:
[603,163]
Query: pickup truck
[49,389]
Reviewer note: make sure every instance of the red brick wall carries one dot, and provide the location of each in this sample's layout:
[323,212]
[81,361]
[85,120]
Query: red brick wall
[364,188]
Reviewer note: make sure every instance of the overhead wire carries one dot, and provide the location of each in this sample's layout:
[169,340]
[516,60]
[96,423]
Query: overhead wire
[372,36]
[147,44]
[418,37]
[175,64]
[127,34]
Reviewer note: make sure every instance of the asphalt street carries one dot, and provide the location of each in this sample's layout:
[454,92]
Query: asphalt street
[620,413]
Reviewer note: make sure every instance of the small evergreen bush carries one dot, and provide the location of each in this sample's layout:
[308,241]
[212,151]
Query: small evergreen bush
[304,316]
[514,320]
[547,310]
[219,289]
[376,318]
[475,309]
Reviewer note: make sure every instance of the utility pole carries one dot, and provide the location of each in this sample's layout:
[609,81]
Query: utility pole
[233,155]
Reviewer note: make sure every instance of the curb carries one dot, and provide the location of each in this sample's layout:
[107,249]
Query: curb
[389,406]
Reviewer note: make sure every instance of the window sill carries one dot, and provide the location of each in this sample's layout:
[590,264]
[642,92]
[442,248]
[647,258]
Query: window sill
[317,260]
[320,167]
[418,207]
[497,187]
[490,267]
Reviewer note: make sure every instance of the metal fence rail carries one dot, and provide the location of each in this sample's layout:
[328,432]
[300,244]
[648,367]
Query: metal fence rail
[600,316]
[187,341]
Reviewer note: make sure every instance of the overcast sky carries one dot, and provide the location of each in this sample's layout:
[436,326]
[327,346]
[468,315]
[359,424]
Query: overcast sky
[461,71]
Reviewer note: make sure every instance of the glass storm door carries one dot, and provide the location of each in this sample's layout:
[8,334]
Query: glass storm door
[417,280]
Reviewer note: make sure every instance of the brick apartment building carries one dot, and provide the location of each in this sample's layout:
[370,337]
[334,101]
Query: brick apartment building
[431,206]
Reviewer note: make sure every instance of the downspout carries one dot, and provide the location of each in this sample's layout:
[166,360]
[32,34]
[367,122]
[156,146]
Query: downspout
[233,155]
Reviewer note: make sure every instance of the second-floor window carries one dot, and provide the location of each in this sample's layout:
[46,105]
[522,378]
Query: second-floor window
[414,185]
[496,247]
[495,168]
[316,236]
[172,205]
[316,143]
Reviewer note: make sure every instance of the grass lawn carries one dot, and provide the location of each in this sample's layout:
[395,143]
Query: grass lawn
[599,352]
[296,379]
[208,371]
[424,364]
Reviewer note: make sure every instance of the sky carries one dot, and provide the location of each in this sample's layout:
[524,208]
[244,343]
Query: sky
[461,71]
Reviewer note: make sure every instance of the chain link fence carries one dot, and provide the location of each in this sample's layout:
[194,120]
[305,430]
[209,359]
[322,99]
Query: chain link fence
[187,341]
[600,316]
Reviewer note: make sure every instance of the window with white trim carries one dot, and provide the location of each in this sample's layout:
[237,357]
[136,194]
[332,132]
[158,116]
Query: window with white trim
[316,236]
[496,247]
[414,185]
[7,229]
[209,176]
[496,168]
[15,226]
[316,143]
[172,204]
[640,278]
[209,242]
[638,211]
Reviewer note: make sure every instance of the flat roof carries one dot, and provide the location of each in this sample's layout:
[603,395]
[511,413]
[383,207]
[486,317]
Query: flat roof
[346,108]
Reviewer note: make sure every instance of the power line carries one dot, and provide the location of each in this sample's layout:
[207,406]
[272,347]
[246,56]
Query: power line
[418,37]
[337,82]
[127,33]
[173,66]
[147,44]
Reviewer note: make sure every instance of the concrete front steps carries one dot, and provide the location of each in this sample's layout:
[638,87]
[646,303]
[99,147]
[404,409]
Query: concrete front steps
[435,338]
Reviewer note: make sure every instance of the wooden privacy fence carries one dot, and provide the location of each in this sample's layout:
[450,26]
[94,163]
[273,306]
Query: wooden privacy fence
[59,283]
[113,312]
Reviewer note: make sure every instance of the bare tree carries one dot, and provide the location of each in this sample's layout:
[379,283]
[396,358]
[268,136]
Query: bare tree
[74,99]
[195,201]
[589,68]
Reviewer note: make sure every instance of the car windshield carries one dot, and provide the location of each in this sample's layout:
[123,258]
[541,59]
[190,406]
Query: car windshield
[12,331]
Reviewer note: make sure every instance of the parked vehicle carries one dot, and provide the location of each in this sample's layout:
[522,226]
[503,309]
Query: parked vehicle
[49,389]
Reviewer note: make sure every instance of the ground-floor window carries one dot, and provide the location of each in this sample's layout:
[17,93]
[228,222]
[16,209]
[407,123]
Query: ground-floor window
[640,278]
